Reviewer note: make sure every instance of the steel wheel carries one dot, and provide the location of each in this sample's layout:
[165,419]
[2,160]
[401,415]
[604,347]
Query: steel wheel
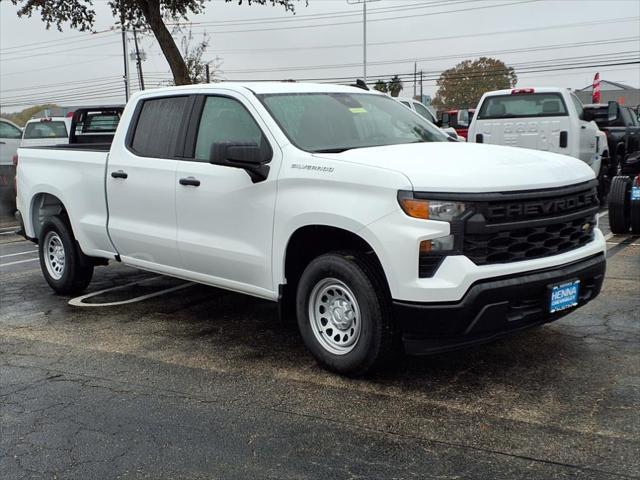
[54,258]
[334,315]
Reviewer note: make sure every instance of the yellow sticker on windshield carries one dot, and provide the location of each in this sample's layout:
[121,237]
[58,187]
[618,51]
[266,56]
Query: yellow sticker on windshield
[358,110]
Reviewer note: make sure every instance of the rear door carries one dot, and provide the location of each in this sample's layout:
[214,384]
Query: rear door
[225,221]
[527,120]
[141,183]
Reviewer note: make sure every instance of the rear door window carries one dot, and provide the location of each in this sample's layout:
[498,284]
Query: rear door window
[44,129]
[158,126]
[523,105]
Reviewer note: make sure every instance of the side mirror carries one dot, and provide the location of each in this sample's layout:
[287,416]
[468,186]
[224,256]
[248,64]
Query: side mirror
[439,123]
[613,111]
[248,156]
[588,115]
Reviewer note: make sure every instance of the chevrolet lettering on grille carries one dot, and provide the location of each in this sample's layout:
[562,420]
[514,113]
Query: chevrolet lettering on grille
[542,207]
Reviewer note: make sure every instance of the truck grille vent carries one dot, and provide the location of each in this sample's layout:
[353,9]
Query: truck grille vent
[428,264]
[528,243]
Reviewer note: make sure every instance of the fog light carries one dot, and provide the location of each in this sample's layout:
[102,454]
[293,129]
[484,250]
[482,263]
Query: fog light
[438,244]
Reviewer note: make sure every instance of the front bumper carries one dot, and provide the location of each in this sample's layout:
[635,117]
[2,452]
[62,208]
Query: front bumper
[493,308]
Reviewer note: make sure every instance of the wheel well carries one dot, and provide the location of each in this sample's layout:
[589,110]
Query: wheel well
[311,241]
[44,206]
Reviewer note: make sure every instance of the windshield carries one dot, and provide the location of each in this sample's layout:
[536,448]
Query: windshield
[335,122]
[43,129]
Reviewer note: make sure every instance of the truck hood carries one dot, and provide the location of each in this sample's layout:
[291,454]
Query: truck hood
[471,167]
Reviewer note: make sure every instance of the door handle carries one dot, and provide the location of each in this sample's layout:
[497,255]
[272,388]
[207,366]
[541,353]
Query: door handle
[190,181]
[119,174]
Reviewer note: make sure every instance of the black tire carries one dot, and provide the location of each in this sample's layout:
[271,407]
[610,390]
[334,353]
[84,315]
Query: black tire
[376,340]
[634,211]
[604,180]
[67,274]
[619,205]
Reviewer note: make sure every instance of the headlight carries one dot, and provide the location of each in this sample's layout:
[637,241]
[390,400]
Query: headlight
[442,210]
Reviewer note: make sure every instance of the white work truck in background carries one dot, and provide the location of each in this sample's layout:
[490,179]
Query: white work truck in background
[543,118]
[363,220]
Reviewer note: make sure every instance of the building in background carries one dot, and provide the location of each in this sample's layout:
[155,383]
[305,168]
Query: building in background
[623,94]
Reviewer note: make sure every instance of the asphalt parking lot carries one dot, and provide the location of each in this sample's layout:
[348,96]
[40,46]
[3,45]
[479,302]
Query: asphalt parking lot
[199,383]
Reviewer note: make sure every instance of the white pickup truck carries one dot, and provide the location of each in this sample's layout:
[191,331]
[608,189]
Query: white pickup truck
[550,119]
[342,205]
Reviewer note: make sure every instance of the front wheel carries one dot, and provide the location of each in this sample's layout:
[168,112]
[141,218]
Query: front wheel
[343,311]
[65,268]
[604,180]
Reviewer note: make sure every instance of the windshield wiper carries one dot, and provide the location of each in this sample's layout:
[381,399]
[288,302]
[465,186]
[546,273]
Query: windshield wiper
[332,150]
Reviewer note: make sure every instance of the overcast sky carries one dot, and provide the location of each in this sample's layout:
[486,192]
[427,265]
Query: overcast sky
[324,41]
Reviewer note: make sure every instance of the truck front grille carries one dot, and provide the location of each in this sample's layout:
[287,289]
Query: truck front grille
[539,224]
[512,245]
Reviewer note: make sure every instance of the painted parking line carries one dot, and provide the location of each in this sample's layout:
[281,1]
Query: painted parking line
[79,301]
[19,253]
[603,214]
[19,261]
[12,232]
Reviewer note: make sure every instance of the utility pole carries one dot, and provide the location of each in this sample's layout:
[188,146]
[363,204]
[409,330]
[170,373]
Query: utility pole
[138,60]
[208,74]
[364,33]
[364,40]
[421,90]
[125,51]
[415,79]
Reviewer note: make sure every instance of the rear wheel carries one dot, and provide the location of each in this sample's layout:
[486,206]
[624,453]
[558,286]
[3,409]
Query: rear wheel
[344,313]
[65,268]
[619,205]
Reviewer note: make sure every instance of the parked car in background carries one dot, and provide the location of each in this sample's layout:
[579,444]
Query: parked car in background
[360,218]
[622,129]
[549,119]
[458,120]
[46,131]
[424,111]
[10,135]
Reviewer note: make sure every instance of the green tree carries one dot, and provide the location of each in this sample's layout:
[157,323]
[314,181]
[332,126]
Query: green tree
[463,85]
[21,117]
[381,86]
[395,86]
[146,14]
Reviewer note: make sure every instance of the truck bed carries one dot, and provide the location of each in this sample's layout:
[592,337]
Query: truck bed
[75,176]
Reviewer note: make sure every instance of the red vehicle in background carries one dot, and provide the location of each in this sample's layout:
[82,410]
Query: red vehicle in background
[457,119]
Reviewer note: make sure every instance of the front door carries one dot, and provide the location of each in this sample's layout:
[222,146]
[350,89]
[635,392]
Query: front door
[225,221]
[141,185]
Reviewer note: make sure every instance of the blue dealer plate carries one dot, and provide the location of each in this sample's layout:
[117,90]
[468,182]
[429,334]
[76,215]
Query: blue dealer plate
[564,296]
[635,193]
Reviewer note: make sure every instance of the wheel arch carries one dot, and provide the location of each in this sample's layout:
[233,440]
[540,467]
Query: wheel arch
[44,205]
[309,241]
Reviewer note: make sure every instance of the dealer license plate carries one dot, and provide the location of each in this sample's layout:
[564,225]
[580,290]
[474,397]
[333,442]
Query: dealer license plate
[564,295]
[635,193]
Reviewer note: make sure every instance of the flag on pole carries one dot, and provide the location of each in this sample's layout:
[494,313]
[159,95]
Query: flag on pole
[595,98]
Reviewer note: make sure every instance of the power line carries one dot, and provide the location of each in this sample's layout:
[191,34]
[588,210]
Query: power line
[334,24]
[443,57]
[429,39]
